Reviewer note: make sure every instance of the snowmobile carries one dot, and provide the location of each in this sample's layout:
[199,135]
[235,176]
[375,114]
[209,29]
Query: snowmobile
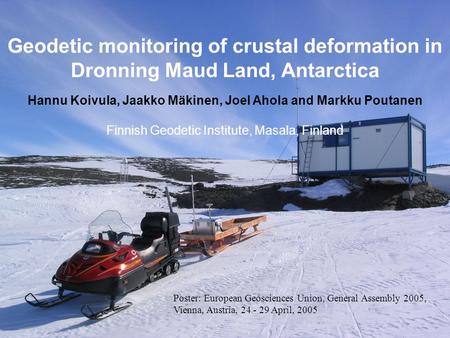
[114,261]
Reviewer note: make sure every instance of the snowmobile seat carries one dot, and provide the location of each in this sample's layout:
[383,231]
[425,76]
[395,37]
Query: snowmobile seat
[146,239]
[152,226]
[150,252]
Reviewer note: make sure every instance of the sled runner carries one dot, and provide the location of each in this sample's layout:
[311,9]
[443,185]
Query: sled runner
[211,236]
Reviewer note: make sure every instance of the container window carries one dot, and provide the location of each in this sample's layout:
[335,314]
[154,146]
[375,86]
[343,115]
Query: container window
[343,140]
[329,141]
[336,140]
[378,130]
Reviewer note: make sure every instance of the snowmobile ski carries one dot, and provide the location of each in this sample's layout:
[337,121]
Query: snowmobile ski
[50,302]
[87,311]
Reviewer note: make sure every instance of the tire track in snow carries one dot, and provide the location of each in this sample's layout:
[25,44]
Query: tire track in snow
[404,281]
[414,287]
[229,280]
[294,278]
[268,331]
[198,285]
[341,286]
[431,255]
[300,281]
[299,259]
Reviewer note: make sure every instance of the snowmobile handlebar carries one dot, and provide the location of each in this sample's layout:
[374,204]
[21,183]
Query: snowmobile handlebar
[123,234]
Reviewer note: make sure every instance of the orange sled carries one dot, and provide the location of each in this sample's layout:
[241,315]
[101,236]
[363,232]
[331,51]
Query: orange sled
[211,237]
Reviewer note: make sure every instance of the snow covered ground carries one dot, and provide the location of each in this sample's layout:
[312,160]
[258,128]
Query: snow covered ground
[336,187]
[317,253]
[438,177]
[245,172]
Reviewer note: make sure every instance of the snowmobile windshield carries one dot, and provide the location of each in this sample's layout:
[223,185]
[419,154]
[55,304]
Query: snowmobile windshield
[109,225]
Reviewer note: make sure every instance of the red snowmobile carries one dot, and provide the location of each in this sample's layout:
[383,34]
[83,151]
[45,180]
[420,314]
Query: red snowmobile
[114,261]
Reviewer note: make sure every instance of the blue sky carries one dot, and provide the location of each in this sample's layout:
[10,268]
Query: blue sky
[74,130]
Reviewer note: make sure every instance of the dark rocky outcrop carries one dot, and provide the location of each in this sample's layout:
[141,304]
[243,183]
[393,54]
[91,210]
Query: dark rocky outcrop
[368,196]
